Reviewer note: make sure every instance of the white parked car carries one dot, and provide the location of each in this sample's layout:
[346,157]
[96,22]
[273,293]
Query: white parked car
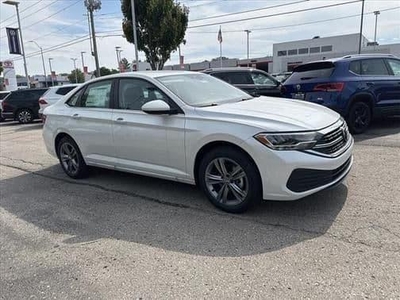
[53,94]
[197,129]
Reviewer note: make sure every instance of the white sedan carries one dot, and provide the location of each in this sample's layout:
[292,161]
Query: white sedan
[197,129]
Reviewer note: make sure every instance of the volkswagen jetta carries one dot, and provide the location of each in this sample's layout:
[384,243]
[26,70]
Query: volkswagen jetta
[197,129]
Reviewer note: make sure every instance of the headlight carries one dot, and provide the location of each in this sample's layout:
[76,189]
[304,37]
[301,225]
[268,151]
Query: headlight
[288,141]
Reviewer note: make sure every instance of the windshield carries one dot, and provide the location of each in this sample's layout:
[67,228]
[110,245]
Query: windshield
[202,89]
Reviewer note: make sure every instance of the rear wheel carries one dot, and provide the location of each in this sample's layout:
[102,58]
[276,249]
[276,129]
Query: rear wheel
[25,116]
[359,117]
[229,179]
[71,159]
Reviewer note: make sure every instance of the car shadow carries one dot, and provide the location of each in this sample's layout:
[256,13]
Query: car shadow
[380,128]
[32,126]
[8,123]
[162,214]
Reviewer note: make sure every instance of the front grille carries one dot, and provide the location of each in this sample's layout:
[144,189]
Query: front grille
[302,180]
[333,141]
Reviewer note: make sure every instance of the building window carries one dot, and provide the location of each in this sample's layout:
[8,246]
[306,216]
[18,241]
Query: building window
[326,48]
[303,51]
[282,53]
[315,50]
[292,52]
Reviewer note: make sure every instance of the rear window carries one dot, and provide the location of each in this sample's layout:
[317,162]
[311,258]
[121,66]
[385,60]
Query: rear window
[313,70]
[64,90]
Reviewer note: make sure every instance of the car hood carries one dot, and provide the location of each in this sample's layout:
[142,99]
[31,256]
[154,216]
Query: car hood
[273,114]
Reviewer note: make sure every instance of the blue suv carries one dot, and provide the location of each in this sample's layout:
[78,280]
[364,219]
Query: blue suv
[359,87]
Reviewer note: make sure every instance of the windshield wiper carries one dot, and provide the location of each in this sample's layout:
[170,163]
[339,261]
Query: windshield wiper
[210,104]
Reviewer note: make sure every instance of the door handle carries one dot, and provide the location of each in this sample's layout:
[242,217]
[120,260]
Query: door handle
[120,120]
[75,116]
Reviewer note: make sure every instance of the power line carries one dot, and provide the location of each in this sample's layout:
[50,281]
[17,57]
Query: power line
[14,15]
[35,12]
[274,15]
[298,24]
[248,11]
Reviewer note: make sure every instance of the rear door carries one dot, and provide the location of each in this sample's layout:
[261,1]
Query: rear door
[89,122]
[377,79]
[394,94]
[265,84]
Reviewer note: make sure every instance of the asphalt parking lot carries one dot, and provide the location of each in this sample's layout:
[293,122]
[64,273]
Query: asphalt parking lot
[121,236]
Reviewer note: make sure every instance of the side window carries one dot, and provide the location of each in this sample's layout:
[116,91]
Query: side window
[374,66]
[73,101]
[222,76]
[262,79]
[133,93]
[64,90]
[239,78]
[355,67]
[395,66]
[97,95]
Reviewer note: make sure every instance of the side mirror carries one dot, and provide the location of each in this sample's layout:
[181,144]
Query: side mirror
[157,107]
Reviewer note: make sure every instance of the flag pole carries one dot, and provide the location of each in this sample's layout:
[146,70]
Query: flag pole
[220,53]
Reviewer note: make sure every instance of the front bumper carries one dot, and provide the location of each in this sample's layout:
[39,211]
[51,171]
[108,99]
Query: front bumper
[276,169]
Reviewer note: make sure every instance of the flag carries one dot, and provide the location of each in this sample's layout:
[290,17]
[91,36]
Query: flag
[13,40]
[220,35]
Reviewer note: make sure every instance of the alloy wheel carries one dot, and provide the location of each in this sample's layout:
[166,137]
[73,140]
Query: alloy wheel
[226,181]
[25,116]
[69,158]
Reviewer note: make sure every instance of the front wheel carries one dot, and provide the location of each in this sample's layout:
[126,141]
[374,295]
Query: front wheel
[71,159]
[359,117]
[229,179]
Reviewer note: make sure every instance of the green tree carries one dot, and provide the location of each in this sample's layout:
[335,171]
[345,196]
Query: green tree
[161,27]
[104,71]
[72,78]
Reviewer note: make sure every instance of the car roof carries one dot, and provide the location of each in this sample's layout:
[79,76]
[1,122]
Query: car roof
[352,57]
[28,90]
[144,74]
[231,69]
[64,85]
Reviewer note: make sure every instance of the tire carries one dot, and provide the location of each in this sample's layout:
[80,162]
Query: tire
[24,116]
[359,117]
[224,191]
[71,159]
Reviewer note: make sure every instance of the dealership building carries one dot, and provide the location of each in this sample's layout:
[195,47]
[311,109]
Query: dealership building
[288,55]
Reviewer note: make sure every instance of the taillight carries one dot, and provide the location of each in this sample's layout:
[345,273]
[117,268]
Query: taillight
[329,87]
[42,101]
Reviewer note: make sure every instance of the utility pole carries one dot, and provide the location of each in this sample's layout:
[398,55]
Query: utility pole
[15,3]
[361,26]
[83,62]
[135,34]
[118,52]
[376,13]
[51,72]
[44,67]
[248,44]
[91,6]
[76,73]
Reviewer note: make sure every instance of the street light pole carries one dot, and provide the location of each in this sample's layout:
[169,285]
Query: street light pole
[44,66]
[15,3]
[248,44]
[135,34]
[83,62]
[376,13]
[76,74]
[118,59]
[361,27]
[51,71]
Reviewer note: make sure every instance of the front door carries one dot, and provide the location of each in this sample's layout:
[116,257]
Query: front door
[146,143]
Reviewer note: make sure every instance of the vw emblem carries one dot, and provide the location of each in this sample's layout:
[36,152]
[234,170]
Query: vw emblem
[298,87]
